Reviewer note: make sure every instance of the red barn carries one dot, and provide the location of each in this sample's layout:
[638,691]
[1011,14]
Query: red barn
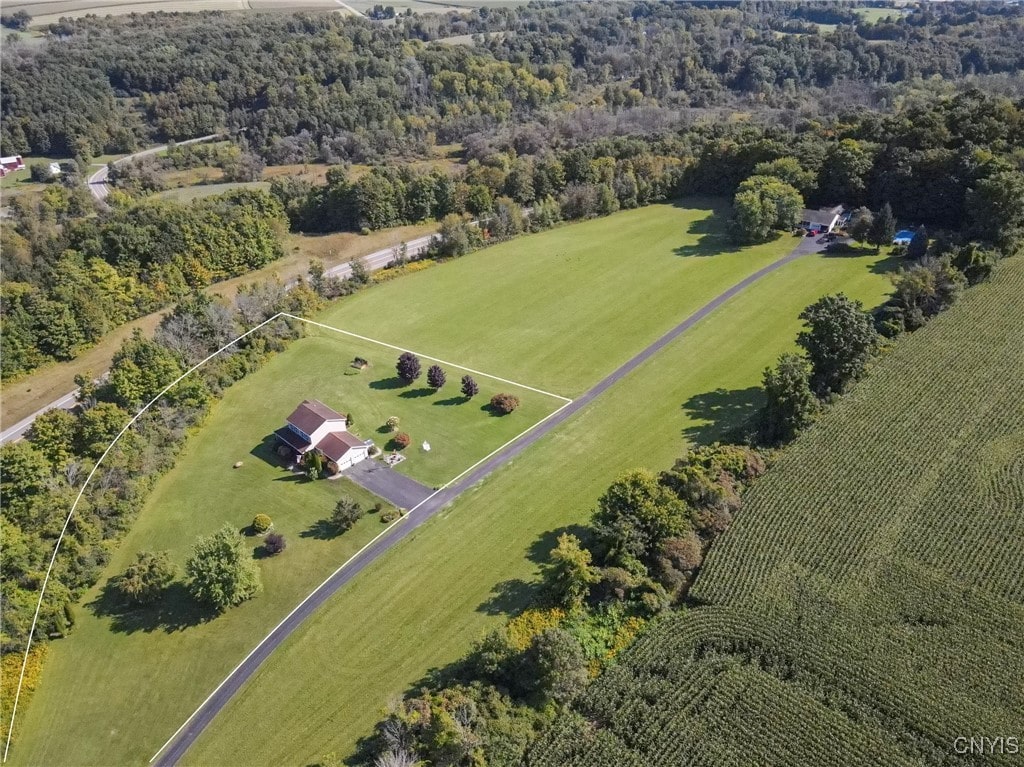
[10,164]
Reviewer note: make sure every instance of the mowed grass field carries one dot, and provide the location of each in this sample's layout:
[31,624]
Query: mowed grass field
[460,431]
[482,555]
[583,298]
[112,652]
[868,605]
[561,309]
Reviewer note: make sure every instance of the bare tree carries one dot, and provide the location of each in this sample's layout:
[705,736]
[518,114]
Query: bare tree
[396,757]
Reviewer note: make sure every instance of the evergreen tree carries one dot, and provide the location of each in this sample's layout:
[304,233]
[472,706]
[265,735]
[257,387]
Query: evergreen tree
[146,578]
[469,387]
[883,227]
[436,377]
[408,367]
[918,247]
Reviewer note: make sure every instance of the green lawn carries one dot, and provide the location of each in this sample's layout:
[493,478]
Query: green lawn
[483,552]
[874,15]
[560,309]
[460,431]
[556,310]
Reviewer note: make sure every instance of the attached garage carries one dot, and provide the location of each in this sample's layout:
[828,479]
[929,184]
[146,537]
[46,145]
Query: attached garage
[342,450]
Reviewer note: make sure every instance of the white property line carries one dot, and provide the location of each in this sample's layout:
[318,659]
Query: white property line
[134,419]
[81,492]
[426,356]
[289,615]
[309,596]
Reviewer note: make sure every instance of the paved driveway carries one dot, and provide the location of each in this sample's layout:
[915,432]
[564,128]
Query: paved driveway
[403,492]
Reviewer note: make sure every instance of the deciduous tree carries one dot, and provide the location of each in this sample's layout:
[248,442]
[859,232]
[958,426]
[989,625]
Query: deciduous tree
[839,339]
[569,574]
[221,573]
[790,405]
[146,579]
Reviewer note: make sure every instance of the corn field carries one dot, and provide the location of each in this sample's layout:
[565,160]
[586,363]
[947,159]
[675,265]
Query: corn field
[867,607]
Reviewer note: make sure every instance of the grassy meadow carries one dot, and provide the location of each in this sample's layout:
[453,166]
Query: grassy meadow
[556,310]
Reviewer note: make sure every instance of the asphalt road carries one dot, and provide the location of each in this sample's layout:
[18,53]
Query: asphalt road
[180,742]
[374,261]
[98,180]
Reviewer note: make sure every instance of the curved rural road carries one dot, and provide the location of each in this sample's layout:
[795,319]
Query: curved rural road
[179,743]
[98,180]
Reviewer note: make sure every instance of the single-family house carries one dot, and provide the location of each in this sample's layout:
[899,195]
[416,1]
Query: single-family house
[315,426]
[11,164]
[821,221]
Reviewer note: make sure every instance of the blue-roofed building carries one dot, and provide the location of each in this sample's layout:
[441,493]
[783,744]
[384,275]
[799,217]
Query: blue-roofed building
[903,237]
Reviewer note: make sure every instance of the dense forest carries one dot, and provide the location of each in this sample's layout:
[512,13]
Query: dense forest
[571,110]
[305,87]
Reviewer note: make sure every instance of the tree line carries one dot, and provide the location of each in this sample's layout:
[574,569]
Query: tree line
[636,558]
[71,277]
[321,87]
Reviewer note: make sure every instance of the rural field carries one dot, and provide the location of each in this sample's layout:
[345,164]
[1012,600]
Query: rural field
[512,311]
[50,11]
[521,309]
[483,553]
[893,524]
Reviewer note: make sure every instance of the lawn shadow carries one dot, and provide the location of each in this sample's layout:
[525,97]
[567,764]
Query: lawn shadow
[713,237]
[393,447]
[423,391]
[266,451]
[321,530]
[452,401]
[888,265]
[724,415]
[491,410]
[540,550]
[176,610]
[513,596]
[384,429]
[510,596]
[394,382]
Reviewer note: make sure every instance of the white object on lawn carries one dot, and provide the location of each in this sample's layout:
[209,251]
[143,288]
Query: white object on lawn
[426,446]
